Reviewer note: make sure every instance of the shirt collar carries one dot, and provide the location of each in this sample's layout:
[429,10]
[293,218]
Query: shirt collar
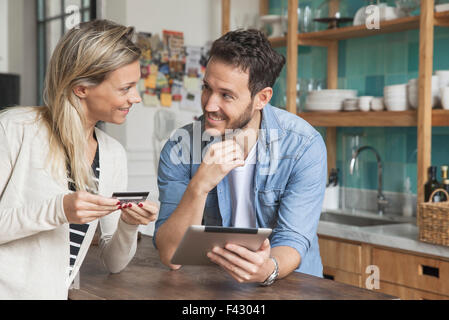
[271,129]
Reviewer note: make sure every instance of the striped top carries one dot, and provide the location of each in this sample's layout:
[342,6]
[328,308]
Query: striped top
[79,231]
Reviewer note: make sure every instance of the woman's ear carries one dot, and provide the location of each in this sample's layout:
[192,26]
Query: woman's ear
[263,97]
[80,91]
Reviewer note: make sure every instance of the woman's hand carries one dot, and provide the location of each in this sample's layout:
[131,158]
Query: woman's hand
[141,213]
[82,207]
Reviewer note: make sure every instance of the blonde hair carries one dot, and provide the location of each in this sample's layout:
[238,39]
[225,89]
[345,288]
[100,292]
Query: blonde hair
[85,55]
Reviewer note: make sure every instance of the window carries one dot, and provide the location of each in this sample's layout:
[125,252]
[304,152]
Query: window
[54,18]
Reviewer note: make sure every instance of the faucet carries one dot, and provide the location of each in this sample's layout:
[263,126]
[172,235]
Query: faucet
[382,202]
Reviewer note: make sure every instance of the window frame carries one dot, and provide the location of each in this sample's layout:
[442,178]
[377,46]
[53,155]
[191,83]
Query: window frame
[88,7]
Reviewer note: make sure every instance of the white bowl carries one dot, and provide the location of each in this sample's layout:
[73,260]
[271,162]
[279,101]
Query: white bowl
[364,103]
[396,105]
[444,93]
[377,104]
[413,89]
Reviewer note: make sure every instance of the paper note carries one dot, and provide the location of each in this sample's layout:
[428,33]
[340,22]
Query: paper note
[192,84]
[150,81]
[166,99]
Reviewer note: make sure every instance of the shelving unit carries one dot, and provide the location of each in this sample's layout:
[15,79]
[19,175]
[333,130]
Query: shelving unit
[423,118]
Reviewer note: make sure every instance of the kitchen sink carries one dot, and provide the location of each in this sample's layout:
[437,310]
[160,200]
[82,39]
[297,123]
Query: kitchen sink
[352,220]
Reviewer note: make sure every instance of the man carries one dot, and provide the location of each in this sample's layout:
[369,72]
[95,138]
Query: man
[282,190]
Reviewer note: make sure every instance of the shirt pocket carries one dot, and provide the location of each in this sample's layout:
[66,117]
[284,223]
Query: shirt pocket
[269,201]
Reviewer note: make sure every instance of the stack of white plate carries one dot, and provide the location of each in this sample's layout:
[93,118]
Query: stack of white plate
[328,99]
[395,97]
[443,78]
[351,104]
[412,92]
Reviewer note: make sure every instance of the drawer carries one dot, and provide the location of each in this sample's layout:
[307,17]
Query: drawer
[341,255]
[412,271]
[352,279]
[405,293]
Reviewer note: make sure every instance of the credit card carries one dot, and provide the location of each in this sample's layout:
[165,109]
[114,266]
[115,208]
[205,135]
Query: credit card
[134,197]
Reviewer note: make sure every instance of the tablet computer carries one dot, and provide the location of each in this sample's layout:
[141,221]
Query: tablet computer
[198,240]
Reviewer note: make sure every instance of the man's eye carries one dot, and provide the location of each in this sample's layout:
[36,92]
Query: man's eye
[227,96]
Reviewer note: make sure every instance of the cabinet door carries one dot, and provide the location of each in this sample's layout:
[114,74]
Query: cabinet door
[405,293]
[412,271]
[341,255]
[352,279]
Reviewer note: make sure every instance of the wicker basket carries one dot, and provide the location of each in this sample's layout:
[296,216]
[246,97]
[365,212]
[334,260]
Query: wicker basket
[433,220]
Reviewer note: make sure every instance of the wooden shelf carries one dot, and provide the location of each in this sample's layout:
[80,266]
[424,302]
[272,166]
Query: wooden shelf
[322,38]
[372,118]
[442,19]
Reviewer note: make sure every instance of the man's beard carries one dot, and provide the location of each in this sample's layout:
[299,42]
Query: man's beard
[244,119]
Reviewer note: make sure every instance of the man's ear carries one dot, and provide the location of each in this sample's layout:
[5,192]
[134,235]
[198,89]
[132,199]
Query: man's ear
[80,91]
[263,97]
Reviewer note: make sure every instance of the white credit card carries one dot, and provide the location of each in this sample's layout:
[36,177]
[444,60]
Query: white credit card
[134,197]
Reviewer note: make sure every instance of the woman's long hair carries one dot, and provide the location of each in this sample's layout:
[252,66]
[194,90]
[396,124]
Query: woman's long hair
[85,55]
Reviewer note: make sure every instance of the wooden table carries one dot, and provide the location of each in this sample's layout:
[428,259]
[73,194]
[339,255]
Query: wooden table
[147,278]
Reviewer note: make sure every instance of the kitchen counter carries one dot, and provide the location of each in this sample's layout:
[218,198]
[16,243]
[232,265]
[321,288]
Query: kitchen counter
[403,236]
[147,278]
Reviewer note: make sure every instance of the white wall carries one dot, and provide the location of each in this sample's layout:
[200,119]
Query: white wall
[22,47]
[200,21]
[4,36]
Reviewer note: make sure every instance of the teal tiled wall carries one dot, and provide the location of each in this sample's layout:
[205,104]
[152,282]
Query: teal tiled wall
[367,65]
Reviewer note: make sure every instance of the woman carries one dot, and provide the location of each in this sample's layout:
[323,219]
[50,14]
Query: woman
[58,171]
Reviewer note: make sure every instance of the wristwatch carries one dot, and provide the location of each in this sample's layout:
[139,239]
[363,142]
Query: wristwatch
[272,277]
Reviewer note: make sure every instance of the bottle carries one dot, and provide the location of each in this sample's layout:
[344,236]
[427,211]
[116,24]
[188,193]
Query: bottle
[444,170]
[431,185]
[445,186]
[407,210]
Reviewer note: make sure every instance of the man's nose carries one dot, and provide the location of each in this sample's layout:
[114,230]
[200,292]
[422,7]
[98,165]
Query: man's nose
[211,104]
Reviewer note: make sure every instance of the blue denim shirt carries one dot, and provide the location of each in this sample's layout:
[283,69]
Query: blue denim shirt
[289,182]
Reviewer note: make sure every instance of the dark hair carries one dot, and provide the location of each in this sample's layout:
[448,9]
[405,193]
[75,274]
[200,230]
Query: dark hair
[250,50]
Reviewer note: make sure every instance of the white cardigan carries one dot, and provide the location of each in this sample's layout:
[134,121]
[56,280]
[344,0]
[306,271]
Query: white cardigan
[34,231]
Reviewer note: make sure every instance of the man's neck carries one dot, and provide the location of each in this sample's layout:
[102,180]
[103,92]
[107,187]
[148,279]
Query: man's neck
[249,135]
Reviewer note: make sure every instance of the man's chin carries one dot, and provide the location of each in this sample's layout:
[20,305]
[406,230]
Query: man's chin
[214,132]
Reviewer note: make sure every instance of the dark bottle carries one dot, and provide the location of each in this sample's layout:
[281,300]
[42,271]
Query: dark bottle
[445,186]
[444,182]
[431,184]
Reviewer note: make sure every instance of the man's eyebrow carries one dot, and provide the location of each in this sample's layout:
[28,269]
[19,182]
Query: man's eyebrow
[226,90]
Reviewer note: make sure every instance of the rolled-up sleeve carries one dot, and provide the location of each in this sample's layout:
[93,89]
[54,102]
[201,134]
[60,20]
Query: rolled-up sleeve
[301,203]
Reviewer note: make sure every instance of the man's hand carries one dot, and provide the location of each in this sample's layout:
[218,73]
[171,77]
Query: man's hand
[242,264]
[220,159]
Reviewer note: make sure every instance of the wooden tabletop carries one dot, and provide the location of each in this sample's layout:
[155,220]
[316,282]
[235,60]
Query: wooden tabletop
[147,278]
